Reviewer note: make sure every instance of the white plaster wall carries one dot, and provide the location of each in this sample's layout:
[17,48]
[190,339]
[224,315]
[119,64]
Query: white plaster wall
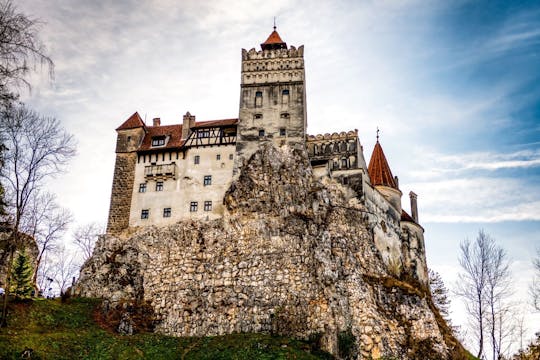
[188,186]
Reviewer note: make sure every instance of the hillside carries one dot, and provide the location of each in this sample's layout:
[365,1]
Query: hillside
[49,329]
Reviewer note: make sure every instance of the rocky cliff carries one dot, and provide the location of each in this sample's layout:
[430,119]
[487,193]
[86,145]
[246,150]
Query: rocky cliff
[291,255]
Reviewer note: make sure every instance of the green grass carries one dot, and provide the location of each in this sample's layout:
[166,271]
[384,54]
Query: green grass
[53,330]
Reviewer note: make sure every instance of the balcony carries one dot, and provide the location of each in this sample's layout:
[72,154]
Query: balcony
[160,171]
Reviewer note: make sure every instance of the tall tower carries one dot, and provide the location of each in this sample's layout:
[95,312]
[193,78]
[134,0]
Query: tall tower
[130,136]
[272,98]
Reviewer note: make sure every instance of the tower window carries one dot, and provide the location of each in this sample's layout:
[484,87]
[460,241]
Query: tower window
[145,213]
[344,163]
[285,92]
[207,180]
[261,133]
[258,99]
[258,116]
[231,156]
[193,206]
[142,187]
[207,206]
[196,159]
[159,186]
[285,116]
[167,212]
[282,132]
[218,157]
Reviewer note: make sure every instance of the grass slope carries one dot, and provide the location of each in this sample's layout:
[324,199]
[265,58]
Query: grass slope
[49,329]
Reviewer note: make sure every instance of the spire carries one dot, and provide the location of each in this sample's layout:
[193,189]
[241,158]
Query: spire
[274,41]
[378,169]
[133,122]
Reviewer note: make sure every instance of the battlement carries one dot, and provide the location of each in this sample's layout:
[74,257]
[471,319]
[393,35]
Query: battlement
[291,52]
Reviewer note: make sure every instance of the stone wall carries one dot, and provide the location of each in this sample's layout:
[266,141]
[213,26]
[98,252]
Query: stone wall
[122,188]
[292,255]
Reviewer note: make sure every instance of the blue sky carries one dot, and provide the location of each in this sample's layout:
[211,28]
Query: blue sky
[453,86]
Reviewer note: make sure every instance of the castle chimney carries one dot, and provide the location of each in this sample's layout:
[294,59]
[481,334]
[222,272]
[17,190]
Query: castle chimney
[187,124]
[157,121]
[414,206]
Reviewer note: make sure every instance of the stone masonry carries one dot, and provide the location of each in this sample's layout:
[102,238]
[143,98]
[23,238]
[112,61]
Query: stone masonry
[292,255]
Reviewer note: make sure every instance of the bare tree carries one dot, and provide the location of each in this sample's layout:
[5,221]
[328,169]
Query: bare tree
[47,223]
[64,268]
[20,50]
[484,284]
[38,148]
[535,286]
[85,237]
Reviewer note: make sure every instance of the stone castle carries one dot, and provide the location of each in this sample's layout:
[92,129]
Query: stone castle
[251,225]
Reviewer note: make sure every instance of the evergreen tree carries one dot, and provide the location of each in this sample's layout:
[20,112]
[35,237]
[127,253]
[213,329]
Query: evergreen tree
[21,276]
[439,293]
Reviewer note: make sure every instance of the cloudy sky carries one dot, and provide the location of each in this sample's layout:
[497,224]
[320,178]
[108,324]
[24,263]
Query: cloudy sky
[453,86]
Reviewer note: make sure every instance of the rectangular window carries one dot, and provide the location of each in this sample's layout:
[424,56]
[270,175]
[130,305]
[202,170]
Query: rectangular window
[167,212]
[282,132]
[158,141]
[203,133]
[159,186]
[193,206]
[196,159]
[207,180]
[142,187]
[207,206]
[145,213]
[218,157]
[261,133]
[258,99]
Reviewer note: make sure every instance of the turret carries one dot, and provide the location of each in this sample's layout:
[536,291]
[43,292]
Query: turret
[382,178]
[129,137]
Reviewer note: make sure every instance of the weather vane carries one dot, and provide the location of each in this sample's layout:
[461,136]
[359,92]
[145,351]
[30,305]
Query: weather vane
[377,134]
[274,23]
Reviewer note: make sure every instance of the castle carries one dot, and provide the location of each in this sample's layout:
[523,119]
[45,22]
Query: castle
[251,225]
[164,174]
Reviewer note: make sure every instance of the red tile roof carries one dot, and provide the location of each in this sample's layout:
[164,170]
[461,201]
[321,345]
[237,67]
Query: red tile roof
[175,133]
[133,122]
[378,168]
[406,217]
[274,42]
[212,123]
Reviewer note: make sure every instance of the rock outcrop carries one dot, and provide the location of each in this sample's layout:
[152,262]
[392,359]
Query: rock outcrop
[292,256]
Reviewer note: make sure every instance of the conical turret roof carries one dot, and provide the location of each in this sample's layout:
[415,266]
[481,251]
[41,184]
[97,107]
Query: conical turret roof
[134,121]
[274,42]
[379,170]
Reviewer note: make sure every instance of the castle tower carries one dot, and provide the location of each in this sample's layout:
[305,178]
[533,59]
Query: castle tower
[130,135]
[272,98]
[382,178]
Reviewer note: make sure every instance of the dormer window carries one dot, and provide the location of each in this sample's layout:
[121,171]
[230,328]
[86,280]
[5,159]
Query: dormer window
[158,140]
[203,133]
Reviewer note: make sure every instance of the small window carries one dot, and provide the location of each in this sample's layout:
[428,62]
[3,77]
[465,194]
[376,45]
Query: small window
[158,141]
[203,133]
[282,132]
[285,92]
[159,186]
[167,212]
[207,206]
[129,138]
[231,156]
[218,157]
[344,163]
[284,116]
[258,116]
[142,187]
[196,159]
[145,213]
[258,99]
[193,206]
[261,133]
[207,180]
